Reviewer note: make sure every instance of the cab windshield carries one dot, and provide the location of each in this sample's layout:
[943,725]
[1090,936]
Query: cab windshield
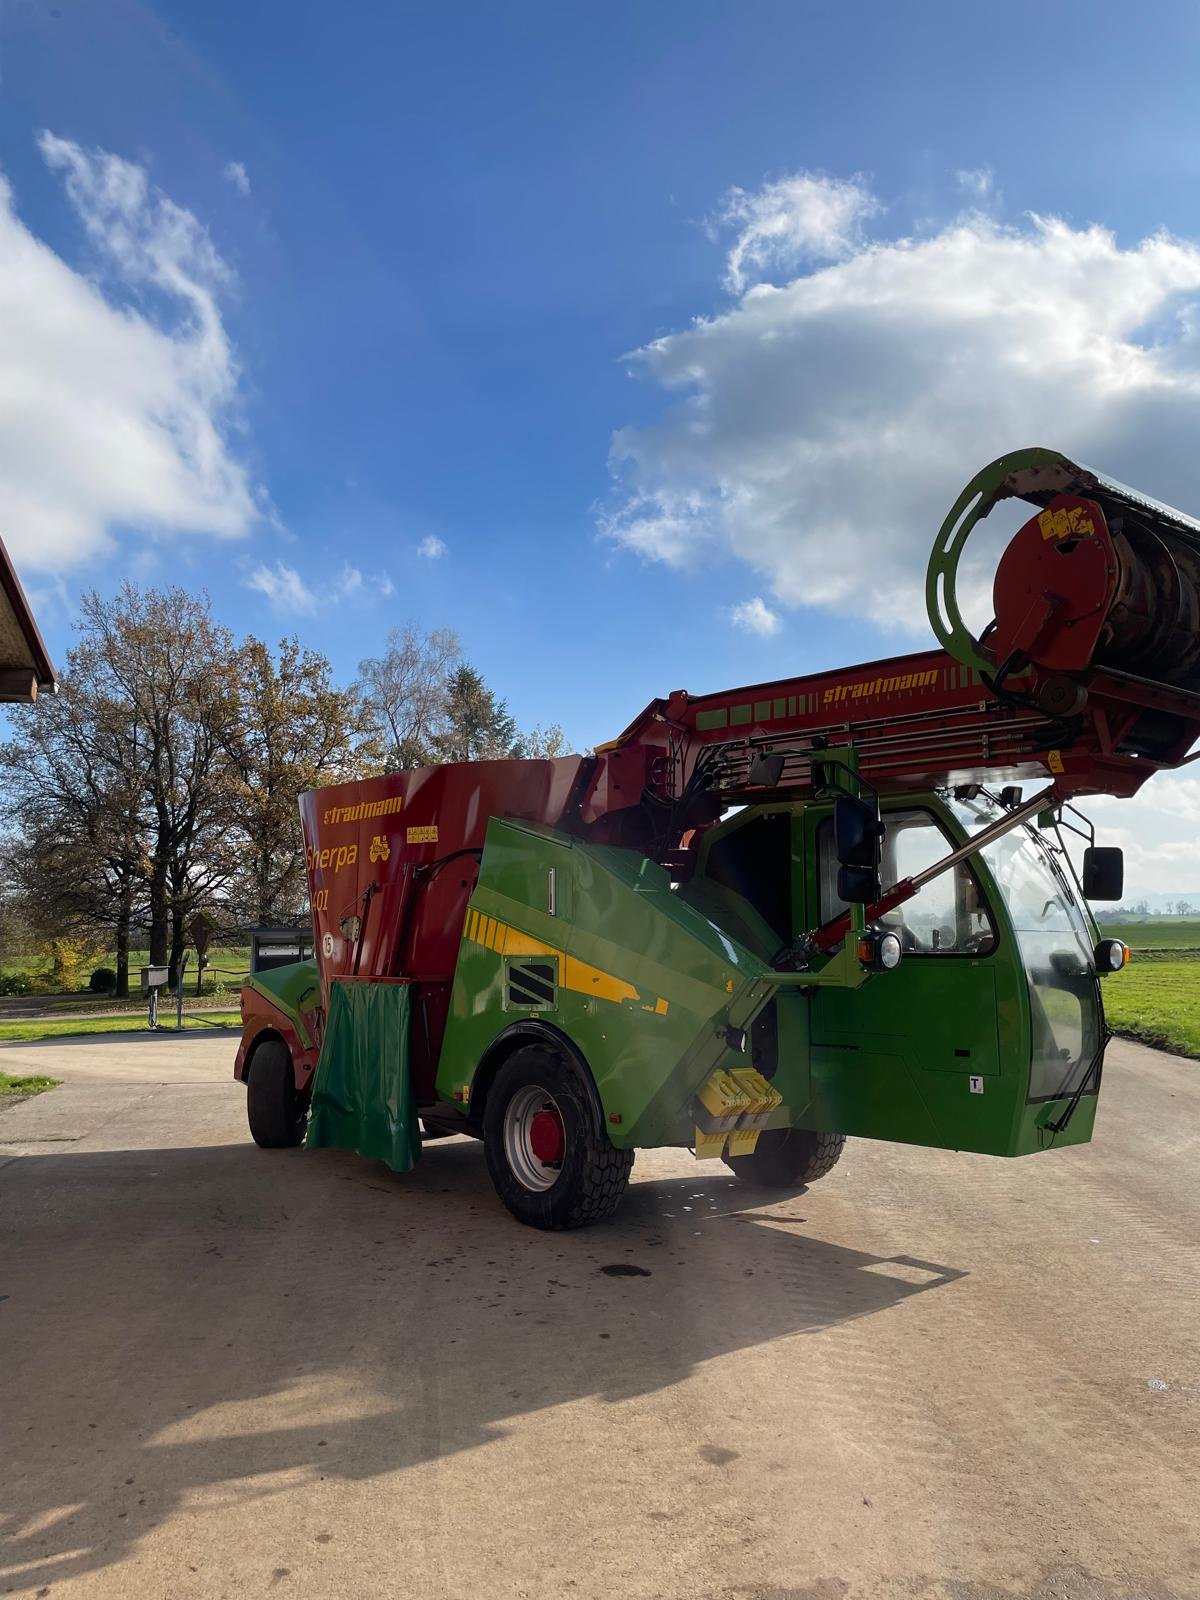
[1056,949]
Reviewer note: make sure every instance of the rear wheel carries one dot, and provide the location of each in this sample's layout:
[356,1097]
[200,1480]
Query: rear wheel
[278,1115]
[547,1150]
[788,1158]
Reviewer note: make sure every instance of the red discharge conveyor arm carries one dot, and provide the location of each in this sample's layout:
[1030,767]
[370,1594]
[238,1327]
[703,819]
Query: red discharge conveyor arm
[1090,672]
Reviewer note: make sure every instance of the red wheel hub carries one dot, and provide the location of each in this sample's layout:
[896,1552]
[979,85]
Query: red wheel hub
[547,1138]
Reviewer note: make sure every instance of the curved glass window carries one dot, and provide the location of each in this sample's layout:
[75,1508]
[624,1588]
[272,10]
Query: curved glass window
[1056,950]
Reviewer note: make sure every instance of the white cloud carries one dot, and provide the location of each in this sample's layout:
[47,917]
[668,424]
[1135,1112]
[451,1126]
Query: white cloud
[755,616]
[666,525]
[431,547]
[284,588]
[290,595]
[800,218]
[349,582]
[234,172]
[978,182]
[113,415]
[1159,831]
[354,584]
[820,429]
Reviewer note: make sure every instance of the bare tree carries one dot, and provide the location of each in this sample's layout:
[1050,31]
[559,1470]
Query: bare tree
[405,690]
[544,742]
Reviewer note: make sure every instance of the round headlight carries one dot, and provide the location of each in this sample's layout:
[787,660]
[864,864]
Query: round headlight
[1111,955]
[880,952]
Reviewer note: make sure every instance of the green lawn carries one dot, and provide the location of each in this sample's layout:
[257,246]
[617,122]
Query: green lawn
[1157,1002]
[23,1086]
[229,966]
[1158,933]
[30,1031]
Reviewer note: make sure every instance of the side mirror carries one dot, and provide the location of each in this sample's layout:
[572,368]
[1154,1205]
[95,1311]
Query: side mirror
[765,770]
[1103,872]
[857,841]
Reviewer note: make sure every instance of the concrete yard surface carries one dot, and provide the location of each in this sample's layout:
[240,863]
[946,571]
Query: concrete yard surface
[233,1372]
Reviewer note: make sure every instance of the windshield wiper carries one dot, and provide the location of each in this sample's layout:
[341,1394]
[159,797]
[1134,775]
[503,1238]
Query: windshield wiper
[1061,1121]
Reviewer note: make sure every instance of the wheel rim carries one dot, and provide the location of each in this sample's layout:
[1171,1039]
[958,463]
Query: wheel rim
[534,1138]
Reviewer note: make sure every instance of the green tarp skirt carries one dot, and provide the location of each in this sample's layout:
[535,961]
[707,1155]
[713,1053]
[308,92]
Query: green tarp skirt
[362,1090]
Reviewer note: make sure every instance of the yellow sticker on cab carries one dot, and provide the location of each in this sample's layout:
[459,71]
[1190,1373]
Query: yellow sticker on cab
[427,834]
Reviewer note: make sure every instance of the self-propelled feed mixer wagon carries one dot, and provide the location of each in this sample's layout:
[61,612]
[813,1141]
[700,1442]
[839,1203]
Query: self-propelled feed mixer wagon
[762,920]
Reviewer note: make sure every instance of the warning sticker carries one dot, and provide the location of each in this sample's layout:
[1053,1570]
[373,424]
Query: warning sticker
[424,835]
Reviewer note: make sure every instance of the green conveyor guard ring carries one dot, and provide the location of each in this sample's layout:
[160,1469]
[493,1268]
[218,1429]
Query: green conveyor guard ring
[973,504]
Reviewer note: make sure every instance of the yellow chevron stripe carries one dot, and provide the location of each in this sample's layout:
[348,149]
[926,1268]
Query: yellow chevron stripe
[583,979]
[580,977]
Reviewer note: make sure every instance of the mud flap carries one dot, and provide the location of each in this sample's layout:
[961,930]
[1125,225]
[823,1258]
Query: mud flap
[362,1097]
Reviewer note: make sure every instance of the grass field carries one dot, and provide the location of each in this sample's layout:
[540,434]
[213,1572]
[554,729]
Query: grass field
[27,1032]
[1177,934]
[1157,1002]
[1157,997]
[19,1088]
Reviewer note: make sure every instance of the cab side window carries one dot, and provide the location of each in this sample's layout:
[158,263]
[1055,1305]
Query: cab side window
[948,917]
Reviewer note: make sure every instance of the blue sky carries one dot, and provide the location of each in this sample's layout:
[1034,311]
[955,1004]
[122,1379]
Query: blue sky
[421,241]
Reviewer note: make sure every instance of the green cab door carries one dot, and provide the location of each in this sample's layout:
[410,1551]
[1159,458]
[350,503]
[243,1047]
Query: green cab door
[914,1054]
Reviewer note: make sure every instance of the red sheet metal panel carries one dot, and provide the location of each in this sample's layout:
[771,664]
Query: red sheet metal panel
[1053,586]
[380,850]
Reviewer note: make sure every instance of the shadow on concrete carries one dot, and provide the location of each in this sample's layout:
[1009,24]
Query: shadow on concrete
[175,1319]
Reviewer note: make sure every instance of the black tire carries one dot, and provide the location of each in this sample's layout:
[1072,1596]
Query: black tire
[592,1174]
[788,1158]
[278,1115]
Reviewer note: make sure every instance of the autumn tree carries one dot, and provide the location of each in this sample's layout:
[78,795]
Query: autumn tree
[162,782]
[171,666]
[74,785]
[292,730]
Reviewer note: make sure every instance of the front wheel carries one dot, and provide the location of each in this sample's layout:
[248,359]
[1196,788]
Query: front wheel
[278,1115]
[788,1158]
[548,1153]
